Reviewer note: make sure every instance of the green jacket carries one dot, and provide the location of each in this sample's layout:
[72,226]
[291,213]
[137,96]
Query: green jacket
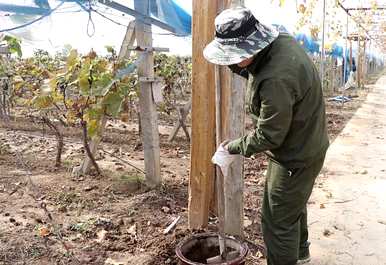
[285,100]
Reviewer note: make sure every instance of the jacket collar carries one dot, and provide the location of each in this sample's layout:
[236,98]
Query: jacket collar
[260,60]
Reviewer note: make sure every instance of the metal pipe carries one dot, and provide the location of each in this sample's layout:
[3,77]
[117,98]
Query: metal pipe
[219,175]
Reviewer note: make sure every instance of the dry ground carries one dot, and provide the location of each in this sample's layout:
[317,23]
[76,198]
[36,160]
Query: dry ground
[49,217]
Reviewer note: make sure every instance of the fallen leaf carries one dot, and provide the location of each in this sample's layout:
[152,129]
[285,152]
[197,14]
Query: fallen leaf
[101,235]
[88,188]
[111,261]
[165,209]
[132,230]
[247,222]
[44,231]
[322,206]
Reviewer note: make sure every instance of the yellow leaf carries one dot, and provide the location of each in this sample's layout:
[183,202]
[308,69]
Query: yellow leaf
[72,58]
[53,83]
[92,128]
[302,8]
[42,102]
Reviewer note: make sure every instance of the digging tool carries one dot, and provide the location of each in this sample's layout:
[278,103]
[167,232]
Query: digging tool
[224,255]
[219,178]
[218,259]
[221,212]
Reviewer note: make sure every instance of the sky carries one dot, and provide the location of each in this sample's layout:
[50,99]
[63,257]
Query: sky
[69,26]
[185,4]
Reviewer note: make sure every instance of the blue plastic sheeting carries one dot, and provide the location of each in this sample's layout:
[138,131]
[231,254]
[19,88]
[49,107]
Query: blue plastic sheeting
[25,10]
[340,99]
[42,3]
[172,14]
[167,11]
[307,43]
[336,51]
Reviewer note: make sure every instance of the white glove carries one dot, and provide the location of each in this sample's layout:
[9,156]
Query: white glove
[223,158]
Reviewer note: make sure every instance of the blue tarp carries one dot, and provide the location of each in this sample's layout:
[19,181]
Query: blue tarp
[172,14]
[167,11]
[336,51]
[307,43]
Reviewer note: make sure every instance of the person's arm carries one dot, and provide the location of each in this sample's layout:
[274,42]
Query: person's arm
[273,123]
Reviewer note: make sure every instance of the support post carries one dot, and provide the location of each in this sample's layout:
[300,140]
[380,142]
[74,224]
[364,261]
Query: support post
[149,122]
[128,41]
[203,124]
[350,66]
[358,62]
[201,182]
[182,112]
[323,38]
[233,117]
[364,69]
[345,55]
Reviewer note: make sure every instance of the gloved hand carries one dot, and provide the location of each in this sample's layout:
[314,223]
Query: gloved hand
[223,158]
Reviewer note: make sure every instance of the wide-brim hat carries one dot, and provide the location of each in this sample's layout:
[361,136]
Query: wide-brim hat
[239,36]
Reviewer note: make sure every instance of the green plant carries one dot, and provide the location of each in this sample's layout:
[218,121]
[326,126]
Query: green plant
[176,73]
[74,90]
[14,45]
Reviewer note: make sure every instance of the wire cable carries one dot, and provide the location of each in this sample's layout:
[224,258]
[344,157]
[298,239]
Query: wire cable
[120,24]
[33,21]
[90,22]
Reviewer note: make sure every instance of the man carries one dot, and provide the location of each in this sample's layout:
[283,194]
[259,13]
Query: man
[285,101]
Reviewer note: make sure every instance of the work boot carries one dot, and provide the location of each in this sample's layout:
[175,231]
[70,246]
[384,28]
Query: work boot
[304,254]
[304,260]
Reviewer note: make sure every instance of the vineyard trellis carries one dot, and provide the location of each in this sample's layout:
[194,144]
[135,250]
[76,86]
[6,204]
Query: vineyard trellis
[86,91]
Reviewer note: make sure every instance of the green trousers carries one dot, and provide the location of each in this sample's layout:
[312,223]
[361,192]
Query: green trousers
[284,213]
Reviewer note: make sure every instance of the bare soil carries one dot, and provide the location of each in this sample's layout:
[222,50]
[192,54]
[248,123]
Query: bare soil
[49,217]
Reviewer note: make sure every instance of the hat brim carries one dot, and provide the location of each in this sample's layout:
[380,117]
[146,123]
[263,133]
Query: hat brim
[228,54]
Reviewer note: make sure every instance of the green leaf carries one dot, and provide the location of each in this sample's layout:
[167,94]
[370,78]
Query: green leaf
[113,104]
[72,58]
[94,112]
[110,49]
[84,76]
[14,45]
[102,85]
[92,128]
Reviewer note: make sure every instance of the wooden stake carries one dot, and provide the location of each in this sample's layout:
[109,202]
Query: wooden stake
[201,182]
[203,125]
[128,41]
[233,89]
[234,182]
[182,112]
[350,66]
[149,123]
